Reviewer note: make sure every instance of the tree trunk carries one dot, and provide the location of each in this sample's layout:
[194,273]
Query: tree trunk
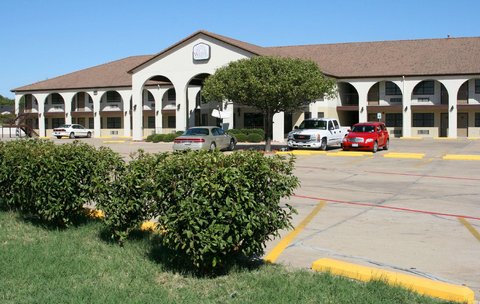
[268,130]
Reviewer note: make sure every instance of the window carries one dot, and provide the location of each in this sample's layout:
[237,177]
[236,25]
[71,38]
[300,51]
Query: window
[307,115]
[171,122]
[394,120]
[151,122]
[392,89]
[477,86]
[204,120]
[171,95]
[426,87]
[477,120]
[423,119]
[57,99]
[253,120]
[335,123]
[57,122]
[90,123]
[320,114]
[113,96]
[114,123]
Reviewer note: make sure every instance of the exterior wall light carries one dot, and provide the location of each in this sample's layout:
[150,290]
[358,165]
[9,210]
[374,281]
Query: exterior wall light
[406,108]
[452,108]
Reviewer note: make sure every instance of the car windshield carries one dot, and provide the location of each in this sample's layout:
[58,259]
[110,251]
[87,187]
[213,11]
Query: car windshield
[313,124]
[364,129]
[196,131]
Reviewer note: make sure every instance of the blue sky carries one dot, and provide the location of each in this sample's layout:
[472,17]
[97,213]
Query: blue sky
[41,39]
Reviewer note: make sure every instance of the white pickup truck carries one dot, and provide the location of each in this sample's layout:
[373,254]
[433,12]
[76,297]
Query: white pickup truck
[316,133]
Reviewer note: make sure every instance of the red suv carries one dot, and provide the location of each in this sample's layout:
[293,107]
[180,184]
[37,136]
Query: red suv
[368,136]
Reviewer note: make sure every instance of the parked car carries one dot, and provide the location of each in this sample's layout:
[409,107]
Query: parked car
[72,131]
[316,133]
[369,136]
[207,138]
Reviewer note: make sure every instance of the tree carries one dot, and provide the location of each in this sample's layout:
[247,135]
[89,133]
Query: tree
[270,84]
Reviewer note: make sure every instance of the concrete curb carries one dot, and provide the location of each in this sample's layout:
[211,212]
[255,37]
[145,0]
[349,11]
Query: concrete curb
[420,285]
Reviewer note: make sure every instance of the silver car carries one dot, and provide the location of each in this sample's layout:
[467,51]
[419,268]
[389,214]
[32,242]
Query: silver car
[207,138]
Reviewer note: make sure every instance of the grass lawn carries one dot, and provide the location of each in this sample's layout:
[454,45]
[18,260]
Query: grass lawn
[38,265]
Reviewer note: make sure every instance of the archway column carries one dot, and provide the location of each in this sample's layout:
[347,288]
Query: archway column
[452,86]
[126,95]
[17,104]
[41,98]
[67,100]
[407,90]
[181,89]
[158,96]
[362,88]
[279,127]
[97,131]
[192,104]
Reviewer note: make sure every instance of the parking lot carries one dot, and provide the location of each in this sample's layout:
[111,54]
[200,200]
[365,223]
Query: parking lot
[414,208]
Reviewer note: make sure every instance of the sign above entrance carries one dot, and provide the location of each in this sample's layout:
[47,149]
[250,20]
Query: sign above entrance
[201,52]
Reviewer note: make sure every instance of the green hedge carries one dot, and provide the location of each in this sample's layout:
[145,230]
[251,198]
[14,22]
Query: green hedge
[52,183]
[212,207]
[247,135]
[163,137]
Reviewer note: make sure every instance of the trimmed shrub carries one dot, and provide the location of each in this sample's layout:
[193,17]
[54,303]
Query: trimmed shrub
[215,207]
[241,137]
[169,137]
[158,138]
[254,137]
[14,157]
[128,200]
[52,183]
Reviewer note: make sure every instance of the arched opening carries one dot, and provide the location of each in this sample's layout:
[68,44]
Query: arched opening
[82,110]
[158,106]
[385,104]
[199,112]
[348,108]
[111,114]
[28,112]
[430,109]
[468,108]
[54,112]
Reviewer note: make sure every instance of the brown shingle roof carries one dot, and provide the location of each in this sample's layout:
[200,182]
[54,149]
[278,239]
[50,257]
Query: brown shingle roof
[449,56]
[112,74]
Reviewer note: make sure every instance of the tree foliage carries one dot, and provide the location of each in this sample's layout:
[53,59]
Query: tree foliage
[270,84]
[6,101]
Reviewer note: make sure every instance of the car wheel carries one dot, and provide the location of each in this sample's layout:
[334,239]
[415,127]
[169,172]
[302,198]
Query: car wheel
[213,146]
[72,135]
[231,146]
[89,134]
[375,147]
[323,146]
[59,137]
[386,144]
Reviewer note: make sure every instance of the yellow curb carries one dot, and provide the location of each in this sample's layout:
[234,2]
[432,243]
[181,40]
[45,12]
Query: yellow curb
[105,137]
[301,152]
[473,138]
[350,153]
[444,138]
[285,242]
[423,286]
[415,138]
[461,157]
[113,141]
[404,155]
